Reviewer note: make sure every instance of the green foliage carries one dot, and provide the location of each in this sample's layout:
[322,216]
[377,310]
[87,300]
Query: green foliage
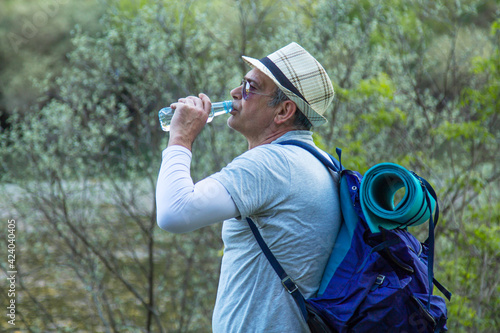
[34,38]
[381,85]
[466,130]
[417,83]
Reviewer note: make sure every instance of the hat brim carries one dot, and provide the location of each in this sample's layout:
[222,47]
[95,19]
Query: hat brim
[303,106]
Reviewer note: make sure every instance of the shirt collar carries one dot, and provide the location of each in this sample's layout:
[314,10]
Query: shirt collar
[300,135]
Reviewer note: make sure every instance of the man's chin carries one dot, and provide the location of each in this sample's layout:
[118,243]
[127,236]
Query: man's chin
[231,122]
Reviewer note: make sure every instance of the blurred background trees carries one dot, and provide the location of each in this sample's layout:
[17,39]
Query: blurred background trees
[417,83]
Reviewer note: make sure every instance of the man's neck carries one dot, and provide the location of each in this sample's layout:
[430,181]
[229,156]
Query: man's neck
[268,138]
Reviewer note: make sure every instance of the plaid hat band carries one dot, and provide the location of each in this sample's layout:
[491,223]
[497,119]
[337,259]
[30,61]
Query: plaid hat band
[278,74]
[301,77]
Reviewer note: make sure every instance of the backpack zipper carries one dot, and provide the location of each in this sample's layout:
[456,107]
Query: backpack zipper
[426,312]
[401,265]
[398,262]
[420,249]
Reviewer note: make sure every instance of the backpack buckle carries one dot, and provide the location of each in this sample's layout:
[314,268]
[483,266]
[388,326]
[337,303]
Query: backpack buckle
[380,279]
[289,284]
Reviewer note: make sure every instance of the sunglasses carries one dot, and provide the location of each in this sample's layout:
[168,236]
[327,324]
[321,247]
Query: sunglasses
[247,89]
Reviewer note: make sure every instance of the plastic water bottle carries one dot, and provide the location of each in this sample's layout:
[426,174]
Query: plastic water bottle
[218,108]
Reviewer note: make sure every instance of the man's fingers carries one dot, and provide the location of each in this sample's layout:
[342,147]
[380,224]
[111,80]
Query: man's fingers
[207,104]
[202,102]
[194,101]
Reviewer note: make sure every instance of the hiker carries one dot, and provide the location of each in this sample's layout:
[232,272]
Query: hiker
[289,194]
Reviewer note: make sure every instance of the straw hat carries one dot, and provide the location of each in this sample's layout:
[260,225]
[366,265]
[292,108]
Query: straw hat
[300,77]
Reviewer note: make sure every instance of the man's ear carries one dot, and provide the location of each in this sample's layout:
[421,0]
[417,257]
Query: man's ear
[286,112]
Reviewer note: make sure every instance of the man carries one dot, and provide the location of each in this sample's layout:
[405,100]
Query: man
[288,193]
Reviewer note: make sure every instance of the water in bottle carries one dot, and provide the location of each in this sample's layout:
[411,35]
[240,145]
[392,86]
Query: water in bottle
[218,108]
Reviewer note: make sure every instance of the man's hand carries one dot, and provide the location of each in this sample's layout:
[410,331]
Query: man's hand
[191,114]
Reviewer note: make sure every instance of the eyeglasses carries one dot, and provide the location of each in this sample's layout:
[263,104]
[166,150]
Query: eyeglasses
[247,89]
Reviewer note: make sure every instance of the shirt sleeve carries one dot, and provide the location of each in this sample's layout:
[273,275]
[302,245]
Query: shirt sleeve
[258,180]
[182,206]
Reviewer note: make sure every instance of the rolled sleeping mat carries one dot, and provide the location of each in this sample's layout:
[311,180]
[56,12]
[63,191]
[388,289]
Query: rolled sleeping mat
[378,188]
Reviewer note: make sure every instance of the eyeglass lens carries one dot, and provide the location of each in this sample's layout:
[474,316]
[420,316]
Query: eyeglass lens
[245,89]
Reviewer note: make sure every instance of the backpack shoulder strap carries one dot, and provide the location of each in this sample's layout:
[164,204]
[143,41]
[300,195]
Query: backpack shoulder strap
[332,163]
[286,280]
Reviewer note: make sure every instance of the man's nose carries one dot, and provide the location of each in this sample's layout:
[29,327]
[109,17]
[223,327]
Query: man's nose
[236,93]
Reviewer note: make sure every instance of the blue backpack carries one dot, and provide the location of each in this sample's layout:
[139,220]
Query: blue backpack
[377,279]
